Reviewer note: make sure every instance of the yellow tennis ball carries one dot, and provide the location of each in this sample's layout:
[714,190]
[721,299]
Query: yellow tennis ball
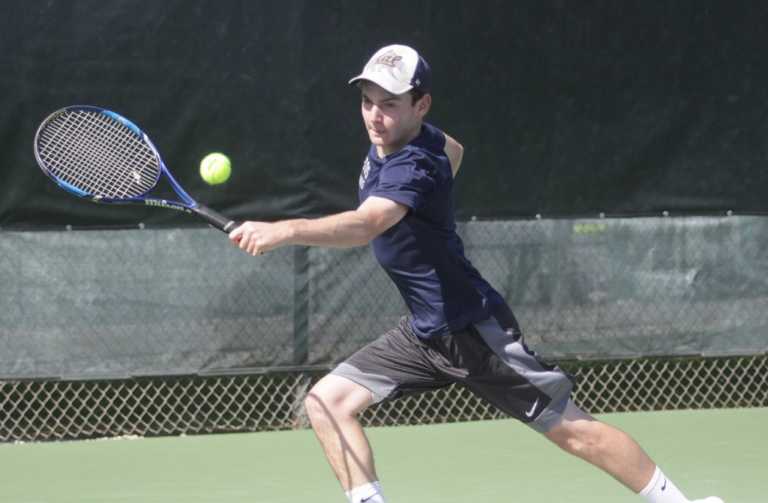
[215,168]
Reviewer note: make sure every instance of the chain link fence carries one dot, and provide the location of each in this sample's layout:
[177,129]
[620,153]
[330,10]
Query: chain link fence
[58,410]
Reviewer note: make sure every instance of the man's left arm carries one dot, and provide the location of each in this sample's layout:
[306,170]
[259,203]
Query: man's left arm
[342,230]
[455,153]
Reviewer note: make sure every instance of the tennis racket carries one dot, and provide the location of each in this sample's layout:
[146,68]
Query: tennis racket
[100,155]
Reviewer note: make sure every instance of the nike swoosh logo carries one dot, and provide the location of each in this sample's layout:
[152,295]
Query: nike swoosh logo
[530,412]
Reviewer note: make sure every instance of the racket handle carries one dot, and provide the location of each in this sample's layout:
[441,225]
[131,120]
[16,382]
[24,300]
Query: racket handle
[216,219]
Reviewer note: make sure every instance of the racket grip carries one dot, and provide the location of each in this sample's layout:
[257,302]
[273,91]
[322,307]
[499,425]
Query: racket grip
[216,219]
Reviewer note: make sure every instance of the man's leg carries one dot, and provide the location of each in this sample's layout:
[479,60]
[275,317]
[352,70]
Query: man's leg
[394,365]
[604,446]
[332,406]
[616,453]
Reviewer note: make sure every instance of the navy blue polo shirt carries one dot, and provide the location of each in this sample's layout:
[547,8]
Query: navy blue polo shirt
[422,252]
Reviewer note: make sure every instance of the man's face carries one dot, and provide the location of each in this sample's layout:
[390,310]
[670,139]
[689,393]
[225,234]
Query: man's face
[391,120]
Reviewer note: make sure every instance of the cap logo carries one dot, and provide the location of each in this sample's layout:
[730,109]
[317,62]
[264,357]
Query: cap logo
[389,58]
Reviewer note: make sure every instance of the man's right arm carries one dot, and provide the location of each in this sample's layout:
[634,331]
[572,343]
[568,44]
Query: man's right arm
[455,153]
[343,230]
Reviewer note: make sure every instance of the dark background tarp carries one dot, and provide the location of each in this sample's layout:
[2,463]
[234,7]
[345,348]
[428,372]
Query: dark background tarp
[565,108]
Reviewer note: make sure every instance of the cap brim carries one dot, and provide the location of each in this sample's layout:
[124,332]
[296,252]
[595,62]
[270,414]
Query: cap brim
[388,86]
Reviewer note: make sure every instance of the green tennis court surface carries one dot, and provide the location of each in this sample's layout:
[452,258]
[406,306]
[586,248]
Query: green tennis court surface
[706,452]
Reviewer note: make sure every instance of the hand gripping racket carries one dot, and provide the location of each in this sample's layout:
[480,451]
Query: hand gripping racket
[99,155]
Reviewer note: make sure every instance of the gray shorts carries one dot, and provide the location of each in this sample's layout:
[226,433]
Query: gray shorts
[489,357]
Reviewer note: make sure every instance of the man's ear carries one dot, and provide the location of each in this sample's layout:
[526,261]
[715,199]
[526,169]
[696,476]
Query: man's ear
[424,104]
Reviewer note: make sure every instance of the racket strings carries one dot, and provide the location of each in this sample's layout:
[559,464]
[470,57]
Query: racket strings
[78,151]
[79,161]
[93,153]
[98,154]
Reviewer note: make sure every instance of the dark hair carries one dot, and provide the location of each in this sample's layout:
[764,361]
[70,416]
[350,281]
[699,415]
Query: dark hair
[416,95]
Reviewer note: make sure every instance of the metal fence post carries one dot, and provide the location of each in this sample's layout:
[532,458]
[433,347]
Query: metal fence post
[300,305]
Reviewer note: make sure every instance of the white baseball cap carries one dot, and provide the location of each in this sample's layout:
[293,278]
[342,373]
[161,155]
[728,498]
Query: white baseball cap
[397,69]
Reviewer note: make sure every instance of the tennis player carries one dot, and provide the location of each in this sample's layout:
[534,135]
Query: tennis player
[459,329]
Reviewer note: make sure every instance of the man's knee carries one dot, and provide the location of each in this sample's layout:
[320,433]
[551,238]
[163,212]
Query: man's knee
[335,396]
[578,433]
[579,440]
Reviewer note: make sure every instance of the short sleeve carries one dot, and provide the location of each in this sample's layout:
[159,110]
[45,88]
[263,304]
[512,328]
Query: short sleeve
[408,181]
[432,138]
